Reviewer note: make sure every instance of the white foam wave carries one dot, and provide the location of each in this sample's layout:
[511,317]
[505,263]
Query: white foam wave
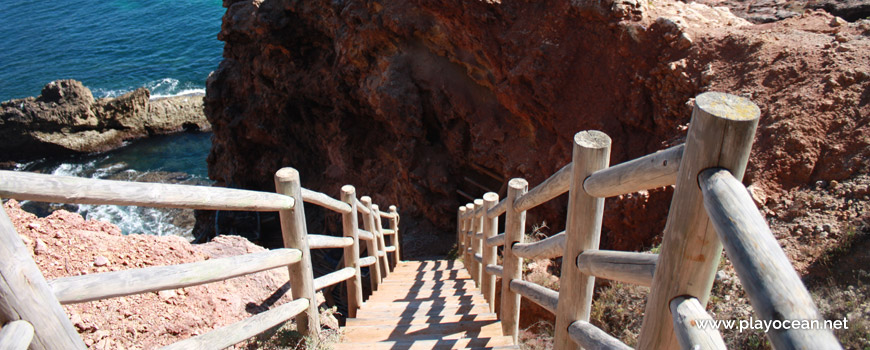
[185,92]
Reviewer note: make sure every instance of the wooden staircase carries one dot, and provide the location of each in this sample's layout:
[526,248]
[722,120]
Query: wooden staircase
[425,305]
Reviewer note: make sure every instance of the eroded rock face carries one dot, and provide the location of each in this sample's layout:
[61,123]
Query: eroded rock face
[65,118]
[424,104]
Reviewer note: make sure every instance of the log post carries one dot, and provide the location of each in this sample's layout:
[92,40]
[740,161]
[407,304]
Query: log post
[582,232]
[25,295]
[394,225]
[515,224]
[350,227]
[460,230]
[490,228]
[475,242]
[467,258]
[382,244]
[295,232]
[720,135]
[371,245]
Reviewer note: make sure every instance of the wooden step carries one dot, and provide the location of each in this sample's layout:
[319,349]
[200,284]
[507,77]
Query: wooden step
[453,330]
[440,311]
[367,321]
[502,342]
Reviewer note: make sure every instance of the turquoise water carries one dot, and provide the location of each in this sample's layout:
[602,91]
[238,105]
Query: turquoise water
[112,46]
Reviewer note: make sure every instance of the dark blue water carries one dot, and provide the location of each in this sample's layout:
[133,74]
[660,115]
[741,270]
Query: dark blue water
[112,46]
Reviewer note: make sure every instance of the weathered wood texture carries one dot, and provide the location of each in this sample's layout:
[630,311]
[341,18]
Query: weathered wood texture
[325,201]
[468,251]
[16,335]
[551,188]
[68,189]
[460,229]
[227,336]
[394,227]
[497,210]
[477,272]
[515,224]
[382,244]
[365,235]
[25,295]
[774,288]
[84,288]
[372,243]
[350,229]
[334,277]
[495,241]
[294,232]
[495,270]
[582,231]
[324,242]
[720,135]
[367,261]
[543,296]
[686,312]
[549,248]
[362,208]
[650,171]
[590,337]
[490,253]
[629,267]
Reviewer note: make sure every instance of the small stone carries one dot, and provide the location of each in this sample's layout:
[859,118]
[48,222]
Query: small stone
[33,226]
[721,276]
[100,261]
[40,248]
[167,294]
[837,22]
[757,195]
[834,185]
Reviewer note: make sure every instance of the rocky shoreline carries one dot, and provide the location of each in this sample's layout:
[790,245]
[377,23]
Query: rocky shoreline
[66,119]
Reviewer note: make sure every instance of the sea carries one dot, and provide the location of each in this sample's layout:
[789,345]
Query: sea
[114,47]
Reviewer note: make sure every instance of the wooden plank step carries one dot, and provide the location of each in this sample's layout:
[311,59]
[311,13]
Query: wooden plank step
[444,311]
[419,320]
[501,342]
[453,299]
[454,330]
[416,285]
[409,305]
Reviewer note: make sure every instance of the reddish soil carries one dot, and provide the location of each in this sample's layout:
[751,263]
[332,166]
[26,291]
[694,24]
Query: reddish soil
[64,244]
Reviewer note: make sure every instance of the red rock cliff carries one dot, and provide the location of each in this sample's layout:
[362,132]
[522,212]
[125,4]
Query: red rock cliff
[411,101]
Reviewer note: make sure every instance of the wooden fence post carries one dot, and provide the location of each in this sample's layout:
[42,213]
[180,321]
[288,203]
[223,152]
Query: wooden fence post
[382,244]
[372,245]
[475,243]
[582,232]
[295,233]
[467,259]
[350,226]
[25,295]
[720,135]
[394,225]
[460,232]
[515,225]
[490,228]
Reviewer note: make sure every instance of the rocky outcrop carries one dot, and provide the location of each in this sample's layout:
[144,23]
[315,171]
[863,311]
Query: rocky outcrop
[65,118]
[411,101]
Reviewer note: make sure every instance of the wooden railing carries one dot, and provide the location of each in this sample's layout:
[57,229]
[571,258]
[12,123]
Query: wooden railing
[32,305]
[710,207]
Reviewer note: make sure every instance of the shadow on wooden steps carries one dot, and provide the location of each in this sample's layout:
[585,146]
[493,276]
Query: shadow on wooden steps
[425,305]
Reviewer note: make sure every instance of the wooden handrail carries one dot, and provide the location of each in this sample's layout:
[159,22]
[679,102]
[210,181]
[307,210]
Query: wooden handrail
[78,190]
[650,171]
[773,286]
[79,289]
[590,337]
[495,270]
[551,188]
[497,210]
[324,242]
[495,241]
[325,201]
[688,315]
[230,335]
[16,335]
[333,278]
[367,261]
[543,296]
[549,248]
[629,267]
[366,235]
[362,208]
